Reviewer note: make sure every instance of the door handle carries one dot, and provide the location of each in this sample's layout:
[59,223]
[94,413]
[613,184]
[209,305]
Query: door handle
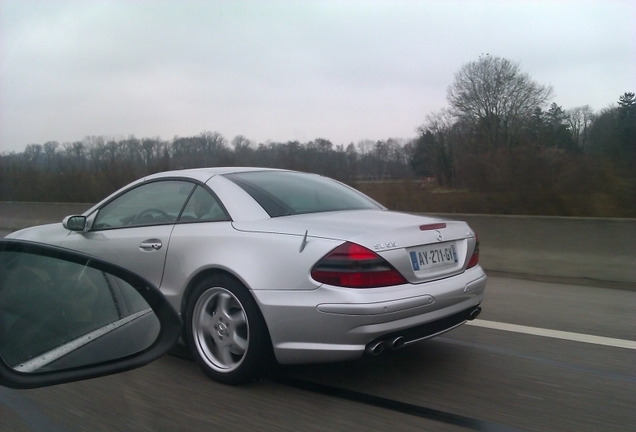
[150,245]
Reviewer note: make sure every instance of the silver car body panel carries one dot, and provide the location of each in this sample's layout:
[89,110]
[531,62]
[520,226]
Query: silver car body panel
[126,246]
[52,234]
[261,261]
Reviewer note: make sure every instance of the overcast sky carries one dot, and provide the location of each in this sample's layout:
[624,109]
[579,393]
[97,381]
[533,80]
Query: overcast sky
[287,70]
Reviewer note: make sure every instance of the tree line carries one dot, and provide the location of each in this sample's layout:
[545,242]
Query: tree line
[87,170]
[498,135]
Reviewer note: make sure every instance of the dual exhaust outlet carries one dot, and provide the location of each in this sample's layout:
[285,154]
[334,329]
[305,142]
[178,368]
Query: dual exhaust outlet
[378,347]
[397,342]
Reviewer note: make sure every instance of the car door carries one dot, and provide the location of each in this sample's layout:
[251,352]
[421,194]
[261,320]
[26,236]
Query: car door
[133,230]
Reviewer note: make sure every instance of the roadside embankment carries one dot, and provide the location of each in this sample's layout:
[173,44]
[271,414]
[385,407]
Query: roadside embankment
[600,249]
[595,249]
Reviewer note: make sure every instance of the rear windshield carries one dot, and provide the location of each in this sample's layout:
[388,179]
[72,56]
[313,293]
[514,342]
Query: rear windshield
[283,193]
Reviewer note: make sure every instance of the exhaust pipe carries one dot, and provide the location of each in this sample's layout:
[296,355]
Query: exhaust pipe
[474,314]
[397,343]
[375,348]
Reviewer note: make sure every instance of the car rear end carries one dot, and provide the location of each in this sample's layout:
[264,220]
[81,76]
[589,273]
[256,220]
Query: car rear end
[384,288]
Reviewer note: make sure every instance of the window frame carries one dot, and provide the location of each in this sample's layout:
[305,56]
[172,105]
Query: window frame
[95,214]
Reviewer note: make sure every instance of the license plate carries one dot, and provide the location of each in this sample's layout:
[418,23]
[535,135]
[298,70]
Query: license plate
[432,256]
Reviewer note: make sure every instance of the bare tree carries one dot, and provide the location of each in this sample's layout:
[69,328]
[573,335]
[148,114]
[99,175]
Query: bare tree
[580,119]
[494,95]
[434,153]
[365,146]
[240,143]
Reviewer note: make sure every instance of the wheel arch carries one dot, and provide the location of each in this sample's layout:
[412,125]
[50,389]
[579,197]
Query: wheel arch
[201,275]
[209,272]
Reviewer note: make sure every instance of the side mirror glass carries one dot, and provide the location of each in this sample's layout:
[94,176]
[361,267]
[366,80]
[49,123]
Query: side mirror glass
[74,223]
[65,316]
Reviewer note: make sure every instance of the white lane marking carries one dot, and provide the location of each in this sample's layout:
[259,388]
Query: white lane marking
[576,337]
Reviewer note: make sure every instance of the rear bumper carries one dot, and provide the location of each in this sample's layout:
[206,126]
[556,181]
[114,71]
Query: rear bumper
[421,332]
[334,323]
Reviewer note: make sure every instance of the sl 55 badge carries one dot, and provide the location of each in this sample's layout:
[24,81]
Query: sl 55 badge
[385,245]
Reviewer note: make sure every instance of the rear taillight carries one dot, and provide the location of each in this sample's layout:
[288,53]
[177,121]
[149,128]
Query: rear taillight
[354,266]
[474,258]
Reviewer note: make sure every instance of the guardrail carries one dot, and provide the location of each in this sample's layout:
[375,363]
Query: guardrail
[600,249]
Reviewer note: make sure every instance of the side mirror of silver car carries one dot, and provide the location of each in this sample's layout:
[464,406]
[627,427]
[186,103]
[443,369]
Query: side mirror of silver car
[74,223]
[66,316]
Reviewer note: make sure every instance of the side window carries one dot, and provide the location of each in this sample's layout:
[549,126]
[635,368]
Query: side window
[149,204]
[203,207]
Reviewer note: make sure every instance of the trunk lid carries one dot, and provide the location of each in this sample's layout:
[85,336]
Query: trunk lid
[421,248]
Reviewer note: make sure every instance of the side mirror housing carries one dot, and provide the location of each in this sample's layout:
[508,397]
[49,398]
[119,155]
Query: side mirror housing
[74,223]
[66,316]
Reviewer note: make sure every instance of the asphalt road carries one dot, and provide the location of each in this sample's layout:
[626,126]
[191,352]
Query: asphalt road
[473,378]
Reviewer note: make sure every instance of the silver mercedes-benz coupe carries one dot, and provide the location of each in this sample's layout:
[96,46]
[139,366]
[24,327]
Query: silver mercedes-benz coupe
[264,262]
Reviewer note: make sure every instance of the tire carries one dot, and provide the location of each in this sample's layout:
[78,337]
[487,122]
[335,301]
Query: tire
[226,331]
